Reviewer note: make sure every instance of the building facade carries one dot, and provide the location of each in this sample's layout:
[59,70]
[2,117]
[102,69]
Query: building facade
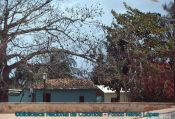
[111,96]
[57,90]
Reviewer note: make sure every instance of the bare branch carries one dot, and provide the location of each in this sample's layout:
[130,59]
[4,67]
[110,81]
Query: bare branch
[31,55]
[24,19]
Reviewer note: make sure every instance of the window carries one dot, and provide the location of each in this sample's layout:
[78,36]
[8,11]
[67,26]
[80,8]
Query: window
[114,100]
[81,99]
[46,97]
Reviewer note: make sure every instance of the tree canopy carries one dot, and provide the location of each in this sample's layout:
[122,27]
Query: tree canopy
[139,52]
[30,28]
[33,27]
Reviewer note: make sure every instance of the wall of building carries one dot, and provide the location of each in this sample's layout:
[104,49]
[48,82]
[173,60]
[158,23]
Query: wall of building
[124,97]
[24,96]
[83,107]
[108,96]
[67,95]
[56,95]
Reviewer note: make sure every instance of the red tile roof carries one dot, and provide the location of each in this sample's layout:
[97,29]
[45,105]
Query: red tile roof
[65,84]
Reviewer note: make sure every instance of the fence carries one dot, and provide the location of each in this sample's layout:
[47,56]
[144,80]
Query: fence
[83,107]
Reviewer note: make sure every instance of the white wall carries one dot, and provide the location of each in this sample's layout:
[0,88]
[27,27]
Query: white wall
[108,96]
[123,97]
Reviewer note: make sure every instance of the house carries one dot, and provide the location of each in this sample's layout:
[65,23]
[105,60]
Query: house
[57,90]
[18,95]
[111,96]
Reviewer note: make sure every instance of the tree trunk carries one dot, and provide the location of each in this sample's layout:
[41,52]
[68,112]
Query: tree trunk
[4,95]
[4,83]
[4,92]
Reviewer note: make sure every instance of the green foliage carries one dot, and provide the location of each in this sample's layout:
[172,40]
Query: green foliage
[60,65]
[136,43]
[56,65]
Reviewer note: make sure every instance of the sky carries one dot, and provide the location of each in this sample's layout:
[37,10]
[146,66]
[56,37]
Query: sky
[108,5]
[143,5]
[117,5]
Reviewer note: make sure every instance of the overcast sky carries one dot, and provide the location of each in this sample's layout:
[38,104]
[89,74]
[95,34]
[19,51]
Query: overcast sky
[117,5]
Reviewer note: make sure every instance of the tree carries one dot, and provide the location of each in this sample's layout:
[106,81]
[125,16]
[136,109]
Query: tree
[108,71]
[56,65]
[171,10]
[137,44]
[29,28]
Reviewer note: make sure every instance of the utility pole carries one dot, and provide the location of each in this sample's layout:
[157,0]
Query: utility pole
[44,94]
